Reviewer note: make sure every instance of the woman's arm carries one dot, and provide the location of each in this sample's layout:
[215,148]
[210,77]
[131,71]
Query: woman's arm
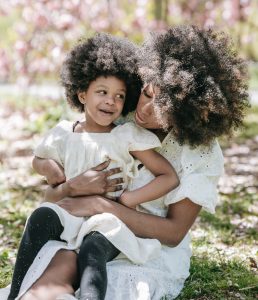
[170,230]
[165,179]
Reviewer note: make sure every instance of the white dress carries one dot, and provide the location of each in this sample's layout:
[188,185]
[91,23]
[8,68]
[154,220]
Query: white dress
[199,170]
[78,152]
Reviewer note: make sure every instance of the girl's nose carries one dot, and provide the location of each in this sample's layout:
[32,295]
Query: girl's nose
[109,100]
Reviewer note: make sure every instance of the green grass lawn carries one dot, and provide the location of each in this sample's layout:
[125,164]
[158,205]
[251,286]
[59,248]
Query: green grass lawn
[224,262]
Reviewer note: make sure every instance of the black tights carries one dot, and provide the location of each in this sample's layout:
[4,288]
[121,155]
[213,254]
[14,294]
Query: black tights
[44,225]
[94,254]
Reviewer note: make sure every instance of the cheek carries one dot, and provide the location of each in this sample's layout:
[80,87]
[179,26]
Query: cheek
[140,102]
[120,105]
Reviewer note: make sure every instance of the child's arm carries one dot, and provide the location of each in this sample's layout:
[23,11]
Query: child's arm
[165,181]
[55,176]
[49,168]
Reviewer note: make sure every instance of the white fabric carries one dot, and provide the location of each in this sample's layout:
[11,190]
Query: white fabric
[136,249]
[78,152]
[199,170]
[4,292]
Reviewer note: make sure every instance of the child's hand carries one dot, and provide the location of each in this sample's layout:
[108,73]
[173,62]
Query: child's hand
[126,199]
[54,173]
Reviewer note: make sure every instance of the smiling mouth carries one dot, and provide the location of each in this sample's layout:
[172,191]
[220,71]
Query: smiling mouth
[139,118]
[107,112]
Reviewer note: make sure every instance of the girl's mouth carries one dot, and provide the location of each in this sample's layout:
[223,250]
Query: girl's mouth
[107,112]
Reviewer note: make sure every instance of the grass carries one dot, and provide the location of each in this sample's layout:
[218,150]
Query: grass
[223,265]
[219,279]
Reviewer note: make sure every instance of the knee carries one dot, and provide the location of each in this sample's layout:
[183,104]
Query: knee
[40,217]
[93,246]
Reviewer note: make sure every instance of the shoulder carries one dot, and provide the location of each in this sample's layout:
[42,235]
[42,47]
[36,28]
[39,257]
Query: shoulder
[204,152]
[136,137]
[63,127]
[134,128]
[137,132]
[60,131]
[203,158]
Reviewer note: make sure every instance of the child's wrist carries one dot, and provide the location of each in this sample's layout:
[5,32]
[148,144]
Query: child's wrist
[125,199]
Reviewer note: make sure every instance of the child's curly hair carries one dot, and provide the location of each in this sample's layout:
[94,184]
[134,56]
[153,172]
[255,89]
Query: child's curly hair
[101,55]
[202,83]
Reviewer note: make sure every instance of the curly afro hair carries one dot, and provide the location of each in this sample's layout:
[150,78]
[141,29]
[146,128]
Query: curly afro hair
[202,83]
[101,55]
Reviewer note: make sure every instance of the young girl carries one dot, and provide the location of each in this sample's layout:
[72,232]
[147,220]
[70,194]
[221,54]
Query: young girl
[100,78]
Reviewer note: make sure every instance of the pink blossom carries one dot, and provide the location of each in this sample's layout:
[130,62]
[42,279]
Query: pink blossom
[41,21]
[21,47]
[4,65]
[64,21]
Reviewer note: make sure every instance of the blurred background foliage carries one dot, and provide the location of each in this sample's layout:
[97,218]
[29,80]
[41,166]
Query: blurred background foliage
[37,34]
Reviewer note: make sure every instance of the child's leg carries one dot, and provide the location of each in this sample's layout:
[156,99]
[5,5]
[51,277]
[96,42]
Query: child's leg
[94,253]
[42,226]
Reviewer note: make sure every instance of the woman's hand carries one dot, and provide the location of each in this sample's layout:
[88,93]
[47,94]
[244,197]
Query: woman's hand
[94,181]
[82,206]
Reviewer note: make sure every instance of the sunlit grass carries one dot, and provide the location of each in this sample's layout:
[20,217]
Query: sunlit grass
[219,279]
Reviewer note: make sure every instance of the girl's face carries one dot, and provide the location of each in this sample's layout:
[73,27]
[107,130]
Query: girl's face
[145,115]
[103,101]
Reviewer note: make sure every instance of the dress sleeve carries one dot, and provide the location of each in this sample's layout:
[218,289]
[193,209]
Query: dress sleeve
[138,138]
[201,170]
[53,142]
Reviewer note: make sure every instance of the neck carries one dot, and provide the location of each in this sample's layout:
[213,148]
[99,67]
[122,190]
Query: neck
[84,126]
[160,133]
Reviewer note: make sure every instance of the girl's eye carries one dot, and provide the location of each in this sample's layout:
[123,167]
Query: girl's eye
[120,96]
[102,92]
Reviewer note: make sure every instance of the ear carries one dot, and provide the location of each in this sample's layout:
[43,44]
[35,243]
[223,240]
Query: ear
[82,97]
